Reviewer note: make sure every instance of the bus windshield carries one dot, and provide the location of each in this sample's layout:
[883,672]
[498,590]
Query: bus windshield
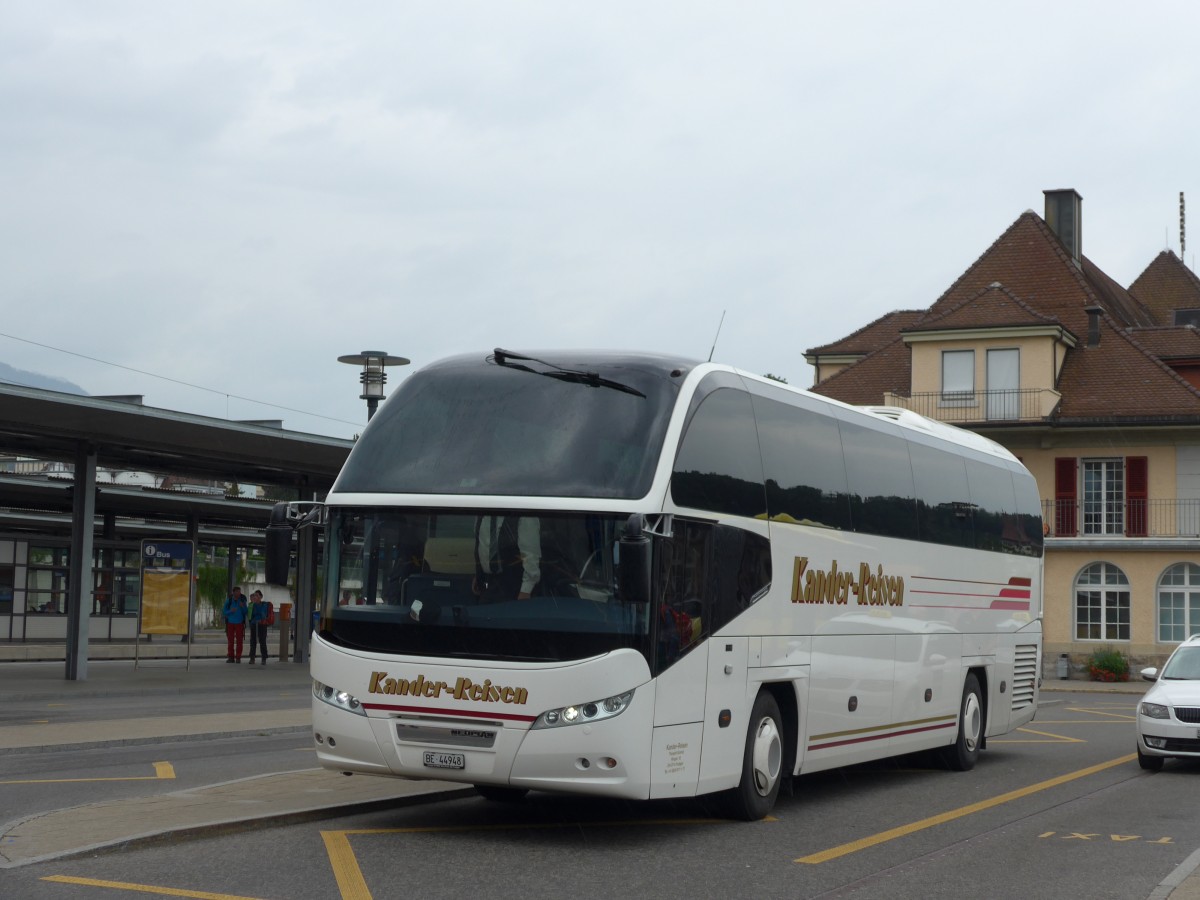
[475,426]
[492,584]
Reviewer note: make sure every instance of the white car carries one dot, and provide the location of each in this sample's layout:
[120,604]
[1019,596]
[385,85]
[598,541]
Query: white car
[1168,719]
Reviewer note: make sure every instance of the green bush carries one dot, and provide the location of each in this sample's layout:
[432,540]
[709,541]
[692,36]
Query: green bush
[1108,665]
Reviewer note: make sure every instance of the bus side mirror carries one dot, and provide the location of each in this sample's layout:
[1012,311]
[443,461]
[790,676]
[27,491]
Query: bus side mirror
[279,546]
[633,573]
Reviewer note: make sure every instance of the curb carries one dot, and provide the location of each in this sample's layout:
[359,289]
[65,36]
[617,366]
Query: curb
[236,826]
[230,825]
[163,739]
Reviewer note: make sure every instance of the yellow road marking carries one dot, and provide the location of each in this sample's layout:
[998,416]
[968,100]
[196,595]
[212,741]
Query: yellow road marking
[942,818]
[143,888]
[1058,738]
[1100,712]
[163,771]
[353,886]
[350,881]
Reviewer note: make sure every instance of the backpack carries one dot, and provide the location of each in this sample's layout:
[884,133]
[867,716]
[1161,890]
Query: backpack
[270,613]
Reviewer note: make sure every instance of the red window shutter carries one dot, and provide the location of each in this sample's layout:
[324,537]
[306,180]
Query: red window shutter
[1137,494]
[1065,481]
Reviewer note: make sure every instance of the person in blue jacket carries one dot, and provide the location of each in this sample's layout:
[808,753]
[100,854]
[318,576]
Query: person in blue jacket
[234,612]
[259,610]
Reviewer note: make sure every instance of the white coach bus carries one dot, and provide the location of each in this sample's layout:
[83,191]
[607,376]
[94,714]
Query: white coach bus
[642,577]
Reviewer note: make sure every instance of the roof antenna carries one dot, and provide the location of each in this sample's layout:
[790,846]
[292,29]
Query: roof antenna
[1182,233]
[715,336]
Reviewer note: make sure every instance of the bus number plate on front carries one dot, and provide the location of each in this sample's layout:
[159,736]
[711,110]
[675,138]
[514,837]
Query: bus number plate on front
[445,760]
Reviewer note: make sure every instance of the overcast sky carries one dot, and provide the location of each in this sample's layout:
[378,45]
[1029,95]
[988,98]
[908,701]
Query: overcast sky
[233,194]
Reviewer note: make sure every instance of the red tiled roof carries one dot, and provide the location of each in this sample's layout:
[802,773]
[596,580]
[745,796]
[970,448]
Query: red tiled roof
[1030,261]
[872,336]
[1167,285]
[995,306]
[865,382]
[1169,342]
[1026,277]
[1119,379]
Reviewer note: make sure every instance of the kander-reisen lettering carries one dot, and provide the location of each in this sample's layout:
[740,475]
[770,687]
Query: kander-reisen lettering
[835,587]
[462,689]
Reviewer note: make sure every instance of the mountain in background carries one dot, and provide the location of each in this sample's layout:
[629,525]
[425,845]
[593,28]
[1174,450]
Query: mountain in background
[9,375]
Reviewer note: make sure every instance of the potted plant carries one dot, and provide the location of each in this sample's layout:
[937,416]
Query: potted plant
[1108,665]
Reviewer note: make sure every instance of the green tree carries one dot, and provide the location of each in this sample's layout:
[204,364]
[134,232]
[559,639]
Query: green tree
[280,493]
[778,378]
[213,584]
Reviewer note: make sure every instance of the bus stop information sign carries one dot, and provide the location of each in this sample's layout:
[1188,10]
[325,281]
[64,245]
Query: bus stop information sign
[167,568]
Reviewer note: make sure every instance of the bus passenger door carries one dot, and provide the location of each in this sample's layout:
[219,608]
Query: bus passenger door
[678,714]
[721,761]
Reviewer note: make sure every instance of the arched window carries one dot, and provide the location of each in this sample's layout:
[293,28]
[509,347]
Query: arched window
[1179,602]
[1101,604]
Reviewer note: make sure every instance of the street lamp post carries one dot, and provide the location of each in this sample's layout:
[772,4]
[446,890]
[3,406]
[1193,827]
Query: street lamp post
[374,376]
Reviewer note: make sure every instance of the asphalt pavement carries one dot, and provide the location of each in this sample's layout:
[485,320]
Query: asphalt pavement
[284,797]
[273,798]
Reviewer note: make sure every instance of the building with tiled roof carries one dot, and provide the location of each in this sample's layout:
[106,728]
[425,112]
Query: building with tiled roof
[1096,387]
[832,358]
[1169,290]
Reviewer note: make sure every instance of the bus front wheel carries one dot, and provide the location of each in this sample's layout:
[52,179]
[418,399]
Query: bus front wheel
[964,752]
[762,762]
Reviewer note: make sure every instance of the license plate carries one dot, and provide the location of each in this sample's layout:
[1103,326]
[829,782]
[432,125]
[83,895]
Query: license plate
[445,760]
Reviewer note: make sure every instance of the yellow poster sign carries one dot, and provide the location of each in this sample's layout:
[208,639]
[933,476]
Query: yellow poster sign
[165,602]
[166,587]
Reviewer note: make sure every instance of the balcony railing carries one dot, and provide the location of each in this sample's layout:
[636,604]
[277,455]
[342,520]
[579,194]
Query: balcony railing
[979,406]
[1130,519]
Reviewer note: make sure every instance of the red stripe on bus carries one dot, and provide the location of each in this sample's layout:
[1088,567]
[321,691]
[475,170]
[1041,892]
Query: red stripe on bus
[876,737]
[465,713]
[1009,604]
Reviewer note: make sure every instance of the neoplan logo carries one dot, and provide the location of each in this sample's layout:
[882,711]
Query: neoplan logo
[835,587]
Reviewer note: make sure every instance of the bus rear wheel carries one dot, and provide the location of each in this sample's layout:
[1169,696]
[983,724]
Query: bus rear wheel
[964,752]
[499,794]
[762,763]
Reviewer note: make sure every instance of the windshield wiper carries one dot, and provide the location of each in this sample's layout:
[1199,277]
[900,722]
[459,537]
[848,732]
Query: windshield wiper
[591,379]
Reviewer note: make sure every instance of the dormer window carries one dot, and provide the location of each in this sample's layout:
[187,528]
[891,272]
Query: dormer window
[1186,317]
[958,374]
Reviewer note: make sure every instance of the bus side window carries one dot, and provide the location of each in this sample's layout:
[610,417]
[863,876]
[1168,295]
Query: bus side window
[719,466]
[742,568]
[688,586]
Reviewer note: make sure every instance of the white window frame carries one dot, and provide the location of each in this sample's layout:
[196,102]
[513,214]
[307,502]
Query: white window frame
[957,388]
[1178,596]
[1108,595]
[1102,496]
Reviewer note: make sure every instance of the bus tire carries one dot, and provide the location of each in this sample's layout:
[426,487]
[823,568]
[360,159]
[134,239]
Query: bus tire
[964,752]
[499,794]
[762,762]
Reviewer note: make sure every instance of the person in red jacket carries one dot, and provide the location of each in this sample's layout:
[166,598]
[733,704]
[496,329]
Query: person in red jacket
[234,612]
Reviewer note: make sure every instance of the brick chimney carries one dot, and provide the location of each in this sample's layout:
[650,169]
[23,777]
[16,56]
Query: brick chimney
[1065,218]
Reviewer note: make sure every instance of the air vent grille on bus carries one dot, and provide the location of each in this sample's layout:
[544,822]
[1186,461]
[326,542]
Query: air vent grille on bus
[1024,676]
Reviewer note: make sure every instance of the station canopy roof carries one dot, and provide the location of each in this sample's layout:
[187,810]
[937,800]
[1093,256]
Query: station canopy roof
[128,436]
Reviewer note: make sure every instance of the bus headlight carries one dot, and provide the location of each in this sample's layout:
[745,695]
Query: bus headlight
[340,699]
[592,711]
